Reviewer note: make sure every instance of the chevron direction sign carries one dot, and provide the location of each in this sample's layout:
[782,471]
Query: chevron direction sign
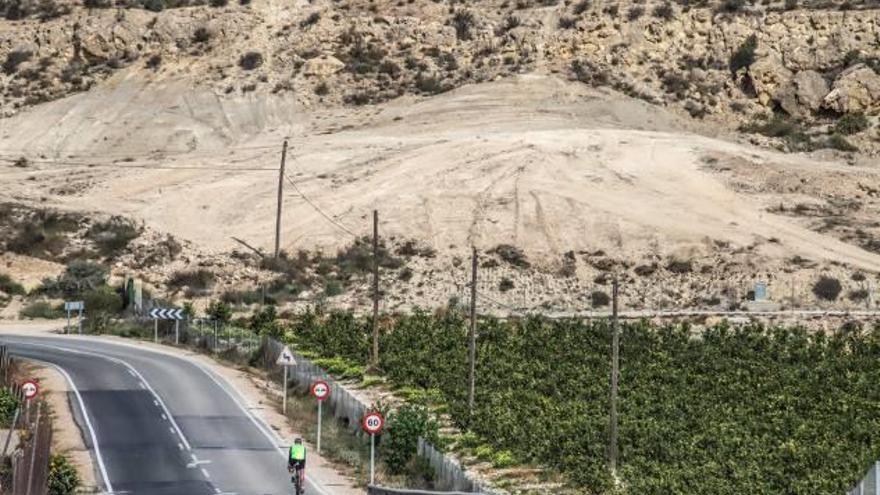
[166,314]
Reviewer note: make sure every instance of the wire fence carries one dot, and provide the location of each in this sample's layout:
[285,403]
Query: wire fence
[25,461]
[870,484]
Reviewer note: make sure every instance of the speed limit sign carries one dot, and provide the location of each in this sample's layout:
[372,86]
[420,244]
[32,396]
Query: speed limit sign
[321,390]
[30,389]
[373,423]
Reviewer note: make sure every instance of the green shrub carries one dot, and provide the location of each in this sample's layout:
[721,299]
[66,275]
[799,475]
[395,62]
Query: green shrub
[484,452]
[599,299]
[503,459]
[250,60]
[505,285]
[79,276]
[219,311]
[840,143]
[511,254]
[635,13]
[113,236]
[405,426]
[9,286]
[664,11]
[41,309]
[8,405]
[744,56]
[852,123]
[199,279]
[463,21]
[14,59]
[63,479]
[827,288]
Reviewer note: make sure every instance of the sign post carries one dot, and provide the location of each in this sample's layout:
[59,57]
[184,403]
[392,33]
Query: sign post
[30,389]
[321,390]
[166,314]
[285,359]
[373,423]
[74,306]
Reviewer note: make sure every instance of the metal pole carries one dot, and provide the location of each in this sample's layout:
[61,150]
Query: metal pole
[34,450]
[80,321]
[176,332]
[280,199]
[319,426]
[215,336]
[284,399]
[156,330]
[372,459]
[472,336]
[615,364]
[11,429]
[375,356]
[67,328]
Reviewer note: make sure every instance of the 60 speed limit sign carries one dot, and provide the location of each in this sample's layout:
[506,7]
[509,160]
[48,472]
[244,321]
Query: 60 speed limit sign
[321,390]
[30,389]
[373,423]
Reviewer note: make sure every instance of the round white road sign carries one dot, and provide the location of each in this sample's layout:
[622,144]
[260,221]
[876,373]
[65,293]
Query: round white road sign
[30,389]
[321,390]
[373,423]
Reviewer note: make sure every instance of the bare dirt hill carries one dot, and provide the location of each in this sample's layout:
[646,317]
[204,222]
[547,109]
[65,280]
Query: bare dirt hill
[584,181]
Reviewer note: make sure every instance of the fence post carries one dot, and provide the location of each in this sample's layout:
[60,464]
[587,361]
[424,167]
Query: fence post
[11,429]
[34,442]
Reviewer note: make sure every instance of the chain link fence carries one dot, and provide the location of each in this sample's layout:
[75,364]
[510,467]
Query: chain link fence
[870,484]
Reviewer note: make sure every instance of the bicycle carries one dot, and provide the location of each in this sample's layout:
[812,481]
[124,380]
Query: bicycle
[298,479]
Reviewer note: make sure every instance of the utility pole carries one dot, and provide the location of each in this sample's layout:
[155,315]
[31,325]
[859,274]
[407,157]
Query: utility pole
[615,371]
[280,192]
[472,336]
[375,357]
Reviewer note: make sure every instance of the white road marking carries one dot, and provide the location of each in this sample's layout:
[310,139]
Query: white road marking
[180,446]
[205,473]
[141,385]
[82,408]
[130,368]
[130,373]
[156,403]
[273,438]
[164,417]
[171,429]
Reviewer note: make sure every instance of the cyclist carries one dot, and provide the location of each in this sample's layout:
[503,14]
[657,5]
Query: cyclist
[296,462]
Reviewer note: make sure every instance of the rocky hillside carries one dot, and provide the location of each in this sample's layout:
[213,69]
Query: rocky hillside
[799,76]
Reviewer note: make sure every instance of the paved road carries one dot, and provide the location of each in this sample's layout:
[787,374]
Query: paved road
[158,424]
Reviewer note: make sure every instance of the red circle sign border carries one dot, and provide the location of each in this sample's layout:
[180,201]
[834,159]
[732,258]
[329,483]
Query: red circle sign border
[320,382]
[381,422]
[36,388]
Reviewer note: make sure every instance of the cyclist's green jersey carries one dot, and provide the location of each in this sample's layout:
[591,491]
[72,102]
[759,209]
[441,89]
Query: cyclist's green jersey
[297,452]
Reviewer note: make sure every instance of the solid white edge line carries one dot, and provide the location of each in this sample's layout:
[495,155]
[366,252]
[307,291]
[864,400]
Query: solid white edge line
[270,435]
[275,441]
[131,368]
[82,408]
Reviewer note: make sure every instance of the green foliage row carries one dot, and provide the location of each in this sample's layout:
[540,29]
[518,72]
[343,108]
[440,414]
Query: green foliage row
[8,405]
[63,479]
[736,410]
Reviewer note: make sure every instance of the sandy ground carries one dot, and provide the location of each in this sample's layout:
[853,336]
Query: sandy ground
[252,389]
[546,165]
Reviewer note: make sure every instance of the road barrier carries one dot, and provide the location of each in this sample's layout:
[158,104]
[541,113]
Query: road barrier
[381,490]
[870,484]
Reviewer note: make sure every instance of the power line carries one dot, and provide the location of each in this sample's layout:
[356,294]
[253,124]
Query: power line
[76,154]
[319,210]
[123,165]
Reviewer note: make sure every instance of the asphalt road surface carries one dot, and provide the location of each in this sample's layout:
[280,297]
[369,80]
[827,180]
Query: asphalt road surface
[158,424]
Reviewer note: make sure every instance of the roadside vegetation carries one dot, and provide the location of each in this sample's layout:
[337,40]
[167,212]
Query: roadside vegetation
[752,409]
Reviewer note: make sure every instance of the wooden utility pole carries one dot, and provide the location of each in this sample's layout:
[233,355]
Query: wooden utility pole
[280,192]
[375,358]
[615,371]
[472,336]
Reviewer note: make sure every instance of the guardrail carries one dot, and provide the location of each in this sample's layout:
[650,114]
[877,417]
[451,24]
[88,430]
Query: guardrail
[870,484]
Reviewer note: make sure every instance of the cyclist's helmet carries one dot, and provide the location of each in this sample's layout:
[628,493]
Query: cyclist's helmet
[298,441]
